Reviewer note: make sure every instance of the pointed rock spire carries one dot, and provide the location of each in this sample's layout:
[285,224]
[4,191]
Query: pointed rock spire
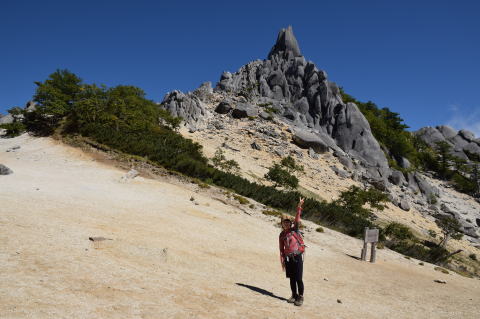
[286,42]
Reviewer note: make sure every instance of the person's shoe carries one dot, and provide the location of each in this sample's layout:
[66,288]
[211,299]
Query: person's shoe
[299,301]
[292,299]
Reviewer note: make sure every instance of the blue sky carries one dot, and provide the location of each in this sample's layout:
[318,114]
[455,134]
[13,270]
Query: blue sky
[419,58]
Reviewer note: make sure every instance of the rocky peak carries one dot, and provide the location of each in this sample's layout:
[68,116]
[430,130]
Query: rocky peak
[286,42]
[303,97]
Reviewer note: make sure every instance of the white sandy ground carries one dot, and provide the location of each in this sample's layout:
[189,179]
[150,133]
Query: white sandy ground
[170,258]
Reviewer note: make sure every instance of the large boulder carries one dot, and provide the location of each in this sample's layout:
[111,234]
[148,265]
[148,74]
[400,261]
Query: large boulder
[243,110]
[306,139]
[430,135]
[404,205]
[224,107]
[5,170]
[397,178]
[447,131]
[425,187]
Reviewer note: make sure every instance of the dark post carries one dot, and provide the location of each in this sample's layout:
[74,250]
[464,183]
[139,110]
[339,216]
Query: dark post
[373,256]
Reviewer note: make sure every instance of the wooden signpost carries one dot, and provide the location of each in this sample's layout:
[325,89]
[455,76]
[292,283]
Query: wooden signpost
[370,236]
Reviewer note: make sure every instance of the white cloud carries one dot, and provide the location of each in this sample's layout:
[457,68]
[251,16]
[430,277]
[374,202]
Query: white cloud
[464,119]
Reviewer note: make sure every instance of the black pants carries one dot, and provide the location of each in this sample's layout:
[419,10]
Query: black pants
[294,271]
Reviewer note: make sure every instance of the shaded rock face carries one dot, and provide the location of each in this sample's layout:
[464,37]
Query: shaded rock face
[303,97]
[462,142]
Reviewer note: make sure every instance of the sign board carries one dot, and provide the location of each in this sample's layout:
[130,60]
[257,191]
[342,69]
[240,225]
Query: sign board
[371,235]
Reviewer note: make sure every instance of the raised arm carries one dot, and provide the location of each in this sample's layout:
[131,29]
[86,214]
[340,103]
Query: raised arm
[299,212]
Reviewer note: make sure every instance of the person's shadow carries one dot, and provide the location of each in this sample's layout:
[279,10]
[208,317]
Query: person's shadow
[261,291]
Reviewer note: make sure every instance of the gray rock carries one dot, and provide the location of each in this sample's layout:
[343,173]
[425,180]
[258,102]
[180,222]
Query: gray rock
[264,115]
[280,152]
[404,162]
[425,187]
[379,184]
[353,135]
[7,119]
[450,211]
[297,153]
[131,174]
[447,131]
[397,178]
[312,153]
[286,42]
[256,146]
[412,184]
[467,135]
[188,107]
[309,140]
[5,170]
[305,98]
[225,145]
[243,110]
[404,205]
[204,92]
[340,172]
[13,148]
[224,107]
[430,135]
[346,162]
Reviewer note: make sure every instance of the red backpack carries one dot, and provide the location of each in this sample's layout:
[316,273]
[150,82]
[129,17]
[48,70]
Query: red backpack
[293,243]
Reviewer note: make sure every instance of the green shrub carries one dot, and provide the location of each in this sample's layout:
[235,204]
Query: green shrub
[320,229]
[220,161]
[241,200]
[281,177]
[398,232]
[13,129]
[472,256]
[270,212]
[443,270]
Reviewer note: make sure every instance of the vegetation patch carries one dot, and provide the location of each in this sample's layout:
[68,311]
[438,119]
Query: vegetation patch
[442,270]
[270,212]
[320,229]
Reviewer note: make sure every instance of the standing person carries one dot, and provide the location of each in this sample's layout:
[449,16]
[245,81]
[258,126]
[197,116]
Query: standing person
[291,254]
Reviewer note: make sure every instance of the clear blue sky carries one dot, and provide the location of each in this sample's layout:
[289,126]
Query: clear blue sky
[419,58]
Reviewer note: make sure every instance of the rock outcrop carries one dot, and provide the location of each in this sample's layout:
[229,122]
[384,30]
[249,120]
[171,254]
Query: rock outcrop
[463,143]
[187,106]
[302,96]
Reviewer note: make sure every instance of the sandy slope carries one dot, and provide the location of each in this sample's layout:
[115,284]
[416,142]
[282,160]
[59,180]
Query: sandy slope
[170,258]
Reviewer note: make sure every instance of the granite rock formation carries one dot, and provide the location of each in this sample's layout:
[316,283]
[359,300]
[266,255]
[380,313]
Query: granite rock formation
[462,142]
[303,96]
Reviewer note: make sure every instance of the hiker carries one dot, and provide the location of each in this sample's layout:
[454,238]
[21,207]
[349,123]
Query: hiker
[291,254]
